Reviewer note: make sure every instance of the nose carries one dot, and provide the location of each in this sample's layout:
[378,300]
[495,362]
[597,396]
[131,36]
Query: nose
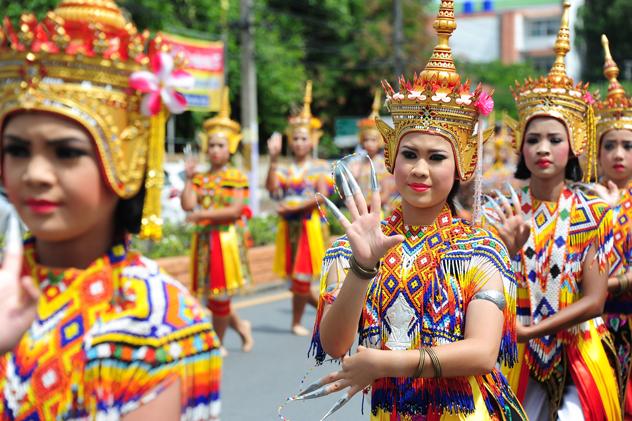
[39,172]
[420,169]
[543,148]
[619,152]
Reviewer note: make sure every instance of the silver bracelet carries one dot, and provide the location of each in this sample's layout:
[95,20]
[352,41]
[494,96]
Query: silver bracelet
[493,296]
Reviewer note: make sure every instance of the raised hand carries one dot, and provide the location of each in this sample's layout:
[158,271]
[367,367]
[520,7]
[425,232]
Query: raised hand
[609,193]
[274,145]
[19,297]
[364,231]
[509,221]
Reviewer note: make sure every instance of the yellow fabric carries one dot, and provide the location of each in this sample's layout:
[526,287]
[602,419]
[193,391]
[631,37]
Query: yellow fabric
[513,374]
[480,410]
[596,360]
[230,256]
[315,240]
[280,248]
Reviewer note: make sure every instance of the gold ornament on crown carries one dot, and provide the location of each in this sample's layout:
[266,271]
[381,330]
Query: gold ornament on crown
[615,111]
[556,95]
[222,124]
[436,102]
[368,125]
[304,119]
[77,62]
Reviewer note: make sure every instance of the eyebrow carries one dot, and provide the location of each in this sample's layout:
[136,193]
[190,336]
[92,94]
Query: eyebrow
[57,141]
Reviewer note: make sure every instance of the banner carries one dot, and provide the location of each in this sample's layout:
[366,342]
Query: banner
[205,61]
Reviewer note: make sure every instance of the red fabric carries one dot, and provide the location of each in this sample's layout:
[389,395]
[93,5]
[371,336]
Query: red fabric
[288,254]
[521,393]
[628,400]
[300,287]
[216,262]
[219,308]
[303,263]
[588,392]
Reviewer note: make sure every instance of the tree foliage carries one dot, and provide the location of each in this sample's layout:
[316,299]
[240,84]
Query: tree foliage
[610,17]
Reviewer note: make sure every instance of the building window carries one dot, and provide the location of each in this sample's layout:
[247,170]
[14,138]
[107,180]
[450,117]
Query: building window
[542,27]
[542,64]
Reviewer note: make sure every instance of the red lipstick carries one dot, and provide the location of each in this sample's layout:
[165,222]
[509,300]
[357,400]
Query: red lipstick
[543,163]
[619,167]
[419,187]
[41,206]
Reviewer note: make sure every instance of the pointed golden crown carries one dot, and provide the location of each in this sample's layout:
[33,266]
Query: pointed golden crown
[436,101]
[369,122]
[615,111]
[222,123]
[556,95]
[305,119]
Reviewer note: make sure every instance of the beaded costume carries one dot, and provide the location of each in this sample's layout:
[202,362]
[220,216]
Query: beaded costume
[108,339]
[420,298]
[300,239]
[615,113]
[549,268]
[218,259]
[424,285]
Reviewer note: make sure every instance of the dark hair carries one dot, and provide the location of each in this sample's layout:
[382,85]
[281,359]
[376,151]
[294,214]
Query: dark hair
[453,192]
[129,213]
[572,172]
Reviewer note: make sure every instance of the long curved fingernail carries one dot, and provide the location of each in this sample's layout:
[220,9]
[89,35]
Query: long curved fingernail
[502,198]
[375,185]
[339,404]
[344,184]
[494,204]
[321,391]
[310,388]
[353,184]
[334,209]
[512,193]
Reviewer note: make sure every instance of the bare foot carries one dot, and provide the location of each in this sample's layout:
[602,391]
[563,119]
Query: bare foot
[223,352]
[245,332]
[299,330]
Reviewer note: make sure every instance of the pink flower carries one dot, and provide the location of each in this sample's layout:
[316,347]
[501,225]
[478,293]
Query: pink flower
[161,85]
[589,98]
[485,103]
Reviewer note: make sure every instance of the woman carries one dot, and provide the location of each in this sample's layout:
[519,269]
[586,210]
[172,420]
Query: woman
[431,297]
[217,199]
[112,336]
[614,133]
[560,239]
[300,245]
[372,146]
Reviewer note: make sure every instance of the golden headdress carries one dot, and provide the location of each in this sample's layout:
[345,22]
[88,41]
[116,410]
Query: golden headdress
[78,62]
[615,111]
[368,124]
[222,123]
[557,96]
[436,101]
[305,119]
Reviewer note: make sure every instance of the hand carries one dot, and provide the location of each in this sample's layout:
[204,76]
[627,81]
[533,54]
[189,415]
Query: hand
[510,222]
[189,168]
[194,217]
[524,333]
[366,238]
[274,145]
[609,193]
[18,301]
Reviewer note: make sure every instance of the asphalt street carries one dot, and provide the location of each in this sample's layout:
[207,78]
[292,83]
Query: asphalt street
[254,385]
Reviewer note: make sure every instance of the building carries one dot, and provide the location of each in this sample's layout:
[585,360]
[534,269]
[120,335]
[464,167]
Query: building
[512,31]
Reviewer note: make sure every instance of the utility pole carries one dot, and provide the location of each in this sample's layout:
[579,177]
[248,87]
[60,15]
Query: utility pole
[398,38]
[249,114]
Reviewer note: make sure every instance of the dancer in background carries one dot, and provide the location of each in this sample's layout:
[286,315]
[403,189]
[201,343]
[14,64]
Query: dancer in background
[560,240]
[300,245]
[217,200]
[112,336]
[614,133]
[373,147]
[431,296]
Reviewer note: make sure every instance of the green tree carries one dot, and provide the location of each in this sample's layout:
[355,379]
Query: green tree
[610,17]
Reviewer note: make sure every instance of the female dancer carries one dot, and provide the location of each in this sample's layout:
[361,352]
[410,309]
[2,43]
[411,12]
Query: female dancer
[561,239]
[614,133]
[299,243]
[112,337]
[217,200]
[432,297]
[372,146]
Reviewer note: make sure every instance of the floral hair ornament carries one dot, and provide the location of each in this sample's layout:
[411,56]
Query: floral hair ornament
[82,61]
[556,95]
[160,87]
